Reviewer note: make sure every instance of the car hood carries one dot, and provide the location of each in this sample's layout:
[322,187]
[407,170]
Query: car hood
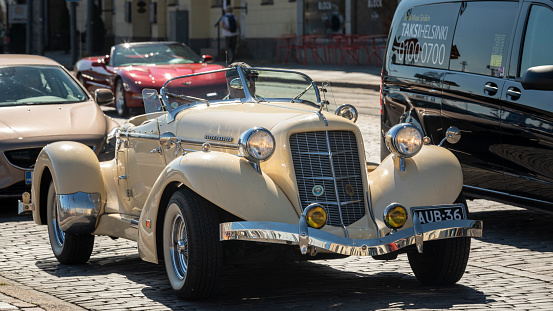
[230,120]
[52,120]
[162,73]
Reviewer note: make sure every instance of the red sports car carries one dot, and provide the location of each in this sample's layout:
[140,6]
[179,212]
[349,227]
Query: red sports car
[131,67]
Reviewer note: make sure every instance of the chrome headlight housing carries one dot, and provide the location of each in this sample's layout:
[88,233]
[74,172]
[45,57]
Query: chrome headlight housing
[347,111]
[404,140]
[256,144]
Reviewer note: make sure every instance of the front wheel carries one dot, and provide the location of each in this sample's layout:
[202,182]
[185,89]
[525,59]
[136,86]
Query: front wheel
[191,245]
[442,262]
[68,248]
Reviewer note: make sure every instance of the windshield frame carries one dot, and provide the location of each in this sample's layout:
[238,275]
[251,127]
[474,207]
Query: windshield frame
[248,96]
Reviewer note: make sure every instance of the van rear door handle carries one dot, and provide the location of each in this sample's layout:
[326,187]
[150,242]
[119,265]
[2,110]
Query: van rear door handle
[513,93]
[490,89]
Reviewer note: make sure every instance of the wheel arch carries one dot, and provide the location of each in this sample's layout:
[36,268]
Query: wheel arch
[225,180]
[72,166]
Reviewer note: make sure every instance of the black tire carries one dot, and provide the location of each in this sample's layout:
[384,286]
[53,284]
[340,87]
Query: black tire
[191,222]
[121,100]
[69,249]
[442,262]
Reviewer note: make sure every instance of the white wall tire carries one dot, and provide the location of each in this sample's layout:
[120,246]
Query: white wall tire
[191,247]
[68,248]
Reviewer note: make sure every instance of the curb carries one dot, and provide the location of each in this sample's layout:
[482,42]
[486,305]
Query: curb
[22,297]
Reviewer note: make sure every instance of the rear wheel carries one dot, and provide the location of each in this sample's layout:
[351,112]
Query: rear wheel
[68,248]
[191,246]
[442,262]
[120,99]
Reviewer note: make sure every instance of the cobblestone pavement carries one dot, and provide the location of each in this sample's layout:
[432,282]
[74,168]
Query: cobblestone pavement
[510,268]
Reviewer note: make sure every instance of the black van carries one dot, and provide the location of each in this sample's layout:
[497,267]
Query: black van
[485,68]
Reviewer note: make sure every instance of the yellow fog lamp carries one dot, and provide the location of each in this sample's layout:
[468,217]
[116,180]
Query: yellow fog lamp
[316,216]
[395,216]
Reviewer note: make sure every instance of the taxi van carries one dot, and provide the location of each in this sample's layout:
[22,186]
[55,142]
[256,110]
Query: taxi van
[486,68]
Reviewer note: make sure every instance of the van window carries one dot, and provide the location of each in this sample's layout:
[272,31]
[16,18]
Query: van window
[538,44]
[482,37]
[422,37]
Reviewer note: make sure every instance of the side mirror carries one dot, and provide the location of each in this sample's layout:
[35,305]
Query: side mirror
[207,58]
[103,96]
[102,62]
[538,78]
[236,84]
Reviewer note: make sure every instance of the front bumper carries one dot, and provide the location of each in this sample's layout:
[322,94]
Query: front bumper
[272,232]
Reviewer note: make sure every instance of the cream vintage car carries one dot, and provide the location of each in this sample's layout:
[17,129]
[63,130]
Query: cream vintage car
[270,162]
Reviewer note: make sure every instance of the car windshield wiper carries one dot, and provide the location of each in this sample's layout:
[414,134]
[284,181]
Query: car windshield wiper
[186,97]
[301,94]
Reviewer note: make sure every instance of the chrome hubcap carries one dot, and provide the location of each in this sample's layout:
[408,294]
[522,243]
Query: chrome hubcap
[179,247]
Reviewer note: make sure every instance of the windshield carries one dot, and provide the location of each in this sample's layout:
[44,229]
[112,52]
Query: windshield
[154,54]
[23,85]
[261,85]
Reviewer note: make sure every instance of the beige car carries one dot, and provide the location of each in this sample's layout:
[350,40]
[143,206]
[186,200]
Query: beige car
[40,103]
[205,177]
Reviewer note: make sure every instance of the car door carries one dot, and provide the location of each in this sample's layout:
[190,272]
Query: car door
[140,162]
[100,75]
[527,119]
[472,89]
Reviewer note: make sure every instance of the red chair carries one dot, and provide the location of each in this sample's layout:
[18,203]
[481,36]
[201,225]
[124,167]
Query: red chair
[306,46]
[286,45]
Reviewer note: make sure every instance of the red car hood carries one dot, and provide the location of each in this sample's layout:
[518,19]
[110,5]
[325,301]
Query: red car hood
[162,73]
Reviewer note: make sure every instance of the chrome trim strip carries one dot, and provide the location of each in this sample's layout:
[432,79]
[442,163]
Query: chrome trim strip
[281,233]
[332,169]
[143,136]
[508,194]
[371,212]
[200,142]
[78,212]
[330,178]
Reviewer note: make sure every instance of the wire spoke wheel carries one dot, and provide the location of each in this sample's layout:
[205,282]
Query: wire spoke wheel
[179,247]
[191,246]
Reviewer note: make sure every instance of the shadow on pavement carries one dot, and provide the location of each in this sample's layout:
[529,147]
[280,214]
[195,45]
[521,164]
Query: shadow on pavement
[280,285]
[518,228]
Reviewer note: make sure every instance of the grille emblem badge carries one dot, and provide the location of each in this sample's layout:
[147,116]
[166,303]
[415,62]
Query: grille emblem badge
[350,190]
[318,190]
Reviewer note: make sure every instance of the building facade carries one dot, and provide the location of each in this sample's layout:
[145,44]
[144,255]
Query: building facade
[263,23]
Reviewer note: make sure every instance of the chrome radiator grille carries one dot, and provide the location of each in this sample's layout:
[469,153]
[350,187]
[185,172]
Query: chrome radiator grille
[328,162]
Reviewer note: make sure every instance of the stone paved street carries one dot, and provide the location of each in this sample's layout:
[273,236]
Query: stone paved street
[510,268]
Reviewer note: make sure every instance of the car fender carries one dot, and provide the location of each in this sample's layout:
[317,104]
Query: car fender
[431,177]
[74,168]
[227,181]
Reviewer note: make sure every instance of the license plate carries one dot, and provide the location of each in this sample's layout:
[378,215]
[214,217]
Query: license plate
[440,213]
[28,177]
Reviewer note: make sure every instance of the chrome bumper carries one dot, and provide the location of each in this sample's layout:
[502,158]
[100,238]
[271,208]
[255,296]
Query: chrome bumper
[273,232]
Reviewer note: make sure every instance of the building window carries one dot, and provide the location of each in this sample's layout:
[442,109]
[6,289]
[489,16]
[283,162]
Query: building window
[216,3]
[267,2]
[128,12]
[153,12]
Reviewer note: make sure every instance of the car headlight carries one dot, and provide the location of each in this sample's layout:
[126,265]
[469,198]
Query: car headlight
[256,144]
[404,140]
[347,111]
[395,216]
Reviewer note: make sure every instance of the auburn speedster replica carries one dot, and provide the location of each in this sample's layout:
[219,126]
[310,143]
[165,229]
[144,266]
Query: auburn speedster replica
[270,163]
